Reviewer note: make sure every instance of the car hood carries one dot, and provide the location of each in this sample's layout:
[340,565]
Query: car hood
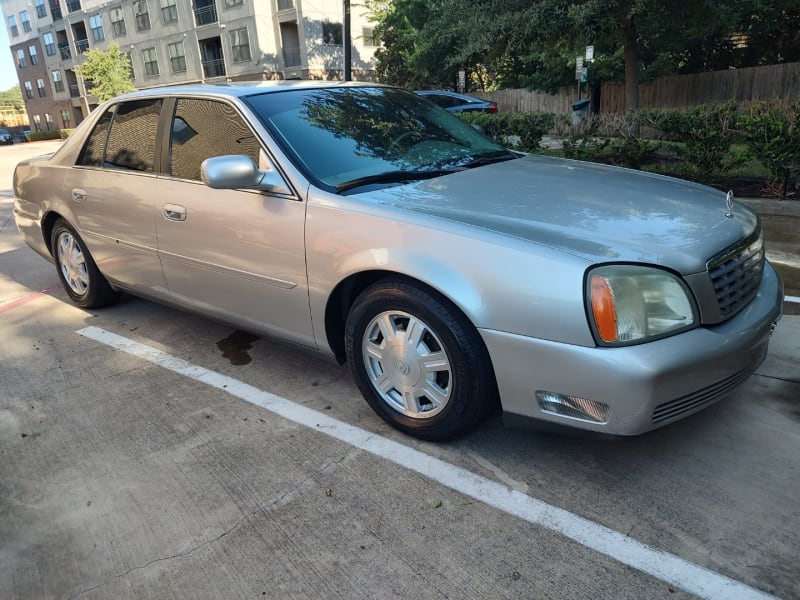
[601,213]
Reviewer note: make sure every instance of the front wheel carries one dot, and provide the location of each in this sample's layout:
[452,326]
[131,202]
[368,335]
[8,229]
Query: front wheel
[418,361]
[77,270]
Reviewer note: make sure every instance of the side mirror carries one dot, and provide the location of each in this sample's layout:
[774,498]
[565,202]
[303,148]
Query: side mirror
[237,171]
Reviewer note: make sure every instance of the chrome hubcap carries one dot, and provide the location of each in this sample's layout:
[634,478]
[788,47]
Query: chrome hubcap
[407,364]
[72,264]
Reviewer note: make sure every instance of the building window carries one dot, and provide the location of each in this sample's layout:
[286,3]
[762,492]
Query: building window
[169,12]
[12,25]
[21,59]
[368,35]
[332,34]
[41,11]
[49,44]
[28,90]
[96,23]
[142,15]
[66,119]
[177,57]
[25,20]
[73,5]
[240,44]
[34,55]
[130,62]
[37,122]
[229,3]
[150,62]
[117,22]
[40,86]
[58,82]
[48,120]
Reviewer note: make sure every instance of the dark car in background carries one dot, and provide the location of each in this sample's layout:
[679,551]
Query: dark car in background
[458,102]
[5,137]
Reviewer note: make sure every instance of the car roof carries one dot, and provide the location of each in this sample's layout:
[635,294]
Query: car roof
[240,89]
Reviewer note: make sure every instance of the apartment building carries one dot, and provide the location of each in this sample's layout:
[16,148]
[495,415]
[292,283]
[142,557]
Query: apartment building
[175,41]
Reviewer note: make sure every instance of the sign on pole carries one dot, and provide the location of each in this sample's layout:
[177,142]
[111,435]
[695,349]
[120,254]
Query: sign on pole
[589,53]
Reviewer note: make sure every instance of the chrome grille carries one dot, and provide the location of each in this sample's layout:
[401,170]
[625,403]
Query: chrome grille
[736,273]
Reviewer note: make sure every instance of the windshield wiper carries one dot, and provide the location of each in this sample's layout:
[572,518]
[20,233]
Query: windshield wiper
[393,177]
[488,159]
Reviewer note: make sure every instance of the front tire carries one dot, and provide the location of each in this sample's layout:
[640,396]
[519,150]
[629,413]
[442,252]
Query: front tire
[77,270]
[419,363]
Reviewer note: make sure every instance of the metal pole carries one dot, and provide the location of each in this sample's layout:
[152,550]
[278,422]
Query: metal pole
[347,42]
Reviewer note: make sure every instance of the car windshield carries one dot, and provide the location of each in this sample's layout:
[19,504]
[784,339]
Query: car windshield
[345,137]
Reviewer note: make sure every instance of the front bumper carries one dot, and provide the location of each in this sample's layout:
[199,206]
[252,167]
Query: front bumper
[645,386]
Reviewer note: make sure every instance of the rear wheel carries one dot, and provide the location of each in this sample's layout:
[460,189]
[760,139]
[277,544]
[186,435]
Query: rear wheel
[77,270]
[418,362]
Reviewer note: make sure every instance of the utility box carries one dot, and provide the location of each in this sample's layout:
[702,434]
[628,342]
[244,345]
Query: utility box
[580,110]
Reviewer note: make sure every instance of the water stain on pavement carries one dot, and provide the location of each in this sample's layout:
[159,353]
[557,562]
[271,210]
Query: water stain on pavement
[235,347]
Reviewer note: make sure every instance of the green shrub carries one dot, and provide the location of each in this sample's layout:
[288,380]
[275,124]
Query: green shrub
[772,131]
[707,132]
[37,136]
[518,130]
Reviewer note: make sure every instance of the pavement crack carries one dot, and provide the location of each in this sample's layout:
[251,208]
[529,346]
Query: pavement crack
[785,379]
[179,555]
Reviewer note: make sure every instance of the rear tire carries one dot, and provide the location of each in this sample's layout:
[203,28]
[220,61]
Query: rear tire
[77,270]
[420,364]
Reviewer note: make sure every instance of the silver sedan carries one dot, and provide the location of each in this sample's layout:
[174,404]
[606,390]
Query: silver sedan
[452,274]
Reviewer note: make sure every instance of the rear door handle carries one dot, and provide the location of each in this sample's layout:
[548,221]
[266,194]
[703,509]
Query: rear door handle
[78,195]
[175,212]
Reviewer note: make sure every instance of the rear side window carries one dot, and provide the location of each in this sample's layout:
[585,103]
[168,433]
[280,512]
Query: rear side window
[205,128]
[124,137]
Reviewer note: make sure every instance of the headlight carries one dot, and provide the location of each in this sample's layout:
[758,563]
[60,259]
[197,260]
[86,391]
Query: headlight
[630,304]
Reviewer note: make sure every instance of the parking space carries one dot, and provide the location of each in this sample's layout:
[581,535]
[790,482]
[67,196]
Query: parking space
[146,452]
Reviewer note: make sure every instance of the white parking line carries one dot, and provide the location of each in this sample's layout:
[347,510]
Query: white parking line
[662,565]
[795,299]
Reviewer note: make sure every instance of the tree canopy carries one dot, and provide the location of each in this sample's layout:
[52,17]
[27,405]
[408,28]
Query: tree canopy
[534,43]
[109,71]
[12,97]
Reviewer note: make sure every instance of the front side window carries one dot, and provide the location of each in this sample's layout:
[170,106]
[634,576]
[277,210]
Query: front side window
[332,34]
[117,22]
[169,12]
[177,58]
[28,90]
[34,55]
[25,20]
[58,81]
[21,59]
[96,24]
[41,10]
[142,15]
[124,137]
[48,119]
[49,44]
[240,44]
[40,87]
[66,119]
[37,122]
[150,61]
[205,128]
[12,26]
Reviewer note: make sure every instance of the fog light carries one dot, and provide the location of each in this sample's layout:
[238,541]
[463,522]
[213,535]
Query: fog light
[572,407]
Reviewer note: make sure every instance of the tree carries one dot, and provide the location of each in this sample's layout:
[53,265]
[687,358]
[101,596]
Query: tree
[12,97]
[533,43]
[109,71]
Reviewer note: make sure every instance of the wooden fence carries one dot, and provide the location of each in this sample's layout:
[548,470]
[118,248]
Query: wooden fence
[780,82]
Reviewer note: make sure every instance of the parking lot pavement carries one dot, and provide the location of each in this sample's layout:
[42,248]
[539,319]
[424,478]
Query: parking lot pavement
[162,466]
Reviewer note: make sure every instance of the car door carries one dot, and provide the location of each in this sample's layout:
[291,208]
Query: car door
[111,191]
[235,254]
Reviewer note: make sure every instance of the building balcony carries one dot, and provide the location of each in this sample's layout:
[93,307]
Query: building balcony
[214,68]
[66,53]
[285,4]
[82,46]
[205,15]
[291,57]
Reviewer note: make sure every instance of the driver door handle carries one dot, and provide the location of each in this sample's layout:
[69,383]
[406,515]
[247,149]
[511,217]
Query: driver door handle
[175,212]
